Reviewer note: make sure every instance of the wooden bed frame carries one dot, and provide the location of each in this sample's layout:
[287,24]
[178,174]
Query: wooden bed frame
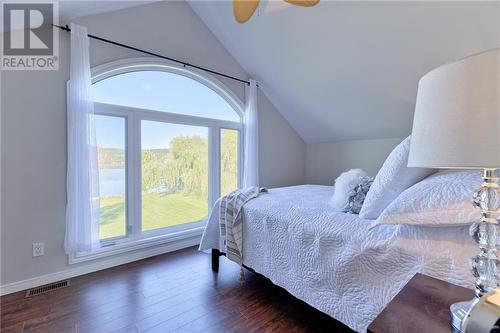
[215,259]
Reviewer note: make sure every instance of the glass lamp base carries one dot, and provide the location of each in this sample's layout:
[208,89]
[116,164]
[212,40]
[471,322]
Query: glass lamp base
[459,312]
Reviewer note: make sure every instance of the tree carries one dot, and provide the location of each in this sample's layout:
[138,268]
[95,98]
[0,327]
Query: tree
[229,161]
[183,168]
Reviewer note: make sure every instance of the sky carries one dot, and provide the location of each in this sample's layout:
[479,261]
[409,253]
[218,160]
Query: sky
[155,135]
[110,132]
[160,91]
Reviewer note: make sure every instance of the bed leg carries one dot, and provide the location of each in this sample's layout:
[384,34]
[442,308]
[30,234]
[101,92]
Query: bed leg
[215,260]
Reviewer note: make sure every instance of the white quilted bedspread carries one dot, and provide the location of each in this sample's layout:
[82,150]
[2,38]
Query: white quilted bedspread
[334,261]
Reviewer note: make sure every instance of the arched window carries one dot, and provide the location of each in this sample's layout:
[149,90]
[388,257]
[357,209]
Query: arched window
[169,144]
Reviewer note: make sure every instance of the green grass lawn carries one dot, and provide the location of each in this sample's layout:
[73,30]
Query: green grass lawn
[158,211]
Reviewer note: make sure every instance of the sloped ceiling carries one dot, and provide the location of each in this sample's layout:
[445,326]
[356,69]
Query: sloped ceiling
[71,9]
[349,70]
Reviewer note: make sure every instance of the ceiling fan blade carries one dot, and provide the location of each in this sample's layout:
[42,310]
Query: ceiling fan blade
[244,9]
[303,3]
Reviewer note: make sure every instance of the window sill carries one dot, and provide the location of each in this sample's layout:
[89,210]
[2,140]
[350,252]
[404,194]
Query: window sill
[170,242]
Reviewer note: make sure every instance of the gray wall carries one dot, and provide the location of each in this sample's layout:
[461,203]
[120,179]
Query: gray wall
[33,129]
[282,152]
[325,161]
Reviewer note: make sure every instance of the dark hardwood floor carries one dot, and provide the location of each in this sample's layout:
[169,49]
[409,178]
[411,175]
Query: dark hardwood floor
[174,292]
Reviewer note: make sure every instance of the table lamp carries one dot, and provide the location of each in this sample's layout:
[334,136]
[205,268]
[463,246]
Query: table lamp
[457,125]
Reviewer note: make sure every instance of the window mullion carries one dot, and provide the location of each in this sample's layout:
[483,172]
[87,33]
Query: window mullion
[129,200]
[135,170]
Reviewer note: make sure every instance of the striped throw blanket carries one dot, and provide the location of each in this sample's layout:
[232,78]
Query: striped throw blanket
[231,222]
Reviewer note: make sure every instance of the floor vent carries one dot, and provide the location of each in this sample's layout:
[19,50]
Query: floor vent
[48,287]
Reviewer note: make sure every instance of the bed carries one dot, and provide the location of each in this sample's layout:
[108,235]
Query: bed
[337,262]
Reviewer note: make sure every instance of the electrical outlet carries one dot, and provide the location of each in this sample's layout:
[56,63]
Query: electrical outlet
[38,249]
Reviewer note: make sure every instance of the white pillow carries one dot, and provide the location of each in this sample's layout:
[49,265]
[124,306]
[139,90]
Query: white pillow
[393,178]
[343,185]
[444,198]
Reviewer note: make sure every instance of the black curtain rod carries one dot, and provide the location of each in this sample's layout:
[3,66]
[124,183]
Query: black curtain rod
[185,64]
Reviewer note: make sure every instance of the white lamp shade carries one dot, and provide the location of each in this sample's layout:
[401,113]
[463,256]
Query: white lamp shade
[457,115]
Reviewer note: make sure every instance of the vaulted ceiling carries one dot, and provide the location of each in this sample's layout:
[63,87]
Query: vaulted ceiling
[349,70]
[70,9]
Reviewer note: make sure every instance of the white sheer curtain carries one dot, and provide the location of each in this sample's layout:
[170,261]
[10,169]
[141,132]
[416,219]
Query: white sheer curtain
[251,138]
[82,183]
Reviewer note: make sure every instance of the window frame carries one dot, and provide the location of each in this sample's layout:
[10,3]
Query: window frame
[133,118]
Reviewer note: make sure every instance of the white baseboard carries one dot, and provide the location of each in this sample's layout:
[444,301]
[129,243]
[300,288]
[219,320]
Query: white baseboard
[97,266]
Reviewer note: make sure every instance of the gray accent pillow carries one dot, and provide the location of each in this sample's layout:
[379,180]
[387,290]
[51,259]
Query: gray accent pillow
[357,195]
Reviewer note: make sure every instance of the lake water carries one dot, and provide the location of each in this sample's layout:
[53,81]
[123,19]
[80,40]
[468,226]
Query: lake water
[111,182]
